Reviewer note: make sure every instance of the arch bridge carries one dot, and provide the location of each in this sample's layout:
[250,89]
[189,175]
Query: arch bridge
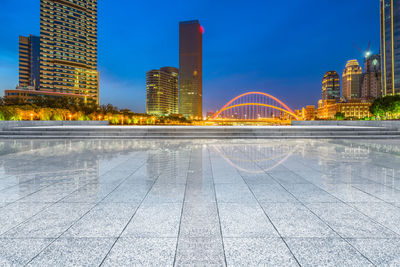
[255,106]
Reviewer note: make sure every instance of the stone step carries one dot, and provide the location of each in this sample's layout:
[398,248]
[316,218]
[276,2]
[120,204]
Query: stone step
[184,133]
[77,137]
[196,129]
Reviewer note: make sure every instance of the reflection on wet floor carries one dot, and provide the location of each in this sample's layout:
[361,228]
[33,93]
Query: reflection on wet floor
[203,202]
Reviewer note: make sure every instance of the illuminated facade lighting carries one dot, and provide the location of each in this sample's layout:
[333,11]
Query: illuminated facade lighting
[68,48]
[331,86]
[351,80]
[390,46]
[162,91]
[191,69]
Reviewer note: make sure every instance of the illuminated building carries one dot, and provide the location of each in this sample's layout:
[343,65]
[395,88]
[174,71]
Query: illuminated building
[162,91]
[191,69]
[331,86]
[29,61]
[371,84]
[68,48]
[351,80]
[63,60]
[309,113]
[29,93]
[390,46]
[353,109]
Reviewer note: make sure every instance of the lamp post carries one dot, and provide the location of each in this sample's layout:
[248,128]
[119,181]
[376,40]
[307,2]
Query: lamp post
[31,116]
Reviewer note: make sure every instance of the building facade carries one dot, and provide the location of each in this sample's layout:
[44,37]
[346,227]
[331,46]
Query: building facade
[191,69]
[390,46]
[162,91]
[29,62]
[371,84]
[351,80]
[354,109]
[331,86]
[68,48]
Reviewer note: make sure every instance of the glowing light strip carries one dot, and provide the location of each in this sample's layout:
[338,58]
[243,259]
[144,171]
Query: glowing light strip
[392,34]
[383,29]
[253,93]
[255,104]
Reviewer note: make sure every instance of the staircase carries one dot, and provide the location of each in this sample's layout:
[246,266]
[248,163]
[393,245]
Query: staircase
[193,132]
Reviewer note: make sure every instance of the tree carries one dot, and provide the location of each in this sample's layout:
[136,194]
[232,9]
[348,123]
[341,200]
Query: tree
[340,116]
[386,107]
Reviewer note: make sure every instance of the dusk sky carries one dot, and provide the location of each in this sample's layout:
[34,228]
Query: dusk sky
[278,47]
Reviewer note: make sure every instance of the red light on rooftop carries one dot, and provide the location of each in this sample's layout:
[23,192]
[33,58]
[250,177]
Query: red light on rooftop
[201,29]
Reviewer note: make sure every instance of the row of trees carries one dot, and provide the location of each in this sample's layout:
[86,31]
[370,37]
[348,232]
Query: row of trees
[66,108]
[386,108]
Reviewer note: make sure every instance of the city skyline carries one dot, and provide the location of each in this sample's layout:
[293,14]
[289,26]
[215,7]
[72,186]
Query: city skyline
[226,73]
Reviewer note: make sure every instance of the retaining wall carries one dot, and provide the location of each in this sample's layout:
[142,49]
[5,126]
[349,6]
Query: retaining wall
[10,124]
[387,124]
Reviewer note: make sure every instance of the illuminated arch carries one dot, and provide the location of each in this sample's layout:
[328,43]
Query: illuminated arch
[242,101]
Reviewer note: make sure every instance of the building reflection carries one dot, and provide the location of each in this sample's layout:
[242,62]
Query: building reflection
[37,163]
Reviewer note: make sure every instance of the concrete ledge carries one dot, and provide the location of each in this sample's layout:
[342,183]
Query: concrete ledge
[386,124]
[11,124]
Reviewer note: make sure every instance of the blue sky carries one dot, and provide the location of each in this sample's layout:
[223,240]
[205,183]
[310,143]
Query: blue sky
[279,47]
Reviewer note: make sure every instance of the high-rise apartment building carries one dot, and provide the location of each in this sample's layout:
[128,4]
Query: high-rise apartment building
[162,91]
[351,80]
[29,62]
[390,46]
[331,86]
[191,69]
[68,48]
[371,85]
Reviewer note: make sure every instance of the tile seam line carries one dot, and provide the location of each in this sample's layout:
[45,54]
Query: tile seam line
[324,222]
[131,218]
[51,203]
[346,241]
[269,219]
[375,164]
[217,207]
[57,238]
[347,203]
[183,206]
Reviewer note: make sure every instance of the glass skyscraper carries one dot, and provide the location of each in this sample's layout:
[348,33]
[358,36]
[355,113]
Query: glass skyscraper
[191,69]
[390,46]
[29,62]
[331,86]
[68,48]
[162,91]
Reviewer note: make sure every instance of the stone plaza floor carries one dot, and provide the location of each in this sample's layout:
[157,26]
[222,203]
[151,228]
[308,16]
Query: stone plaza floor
[200,203]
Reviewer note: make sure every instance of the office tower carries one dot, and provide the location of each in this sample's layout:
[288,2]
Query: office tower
[29,62]
[162,91]
[331,86]
[390,46]
[371,84]
[191,69]
[68,48]
[351,80]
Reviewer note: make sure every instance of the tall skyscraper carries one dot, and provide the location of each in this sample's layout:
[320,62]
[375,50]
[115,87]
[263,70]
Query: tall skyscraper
[371,85]
[331,86]
[191,69]
[29,61]
[162,91]
[351,80]
[68,48]
[390,46]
